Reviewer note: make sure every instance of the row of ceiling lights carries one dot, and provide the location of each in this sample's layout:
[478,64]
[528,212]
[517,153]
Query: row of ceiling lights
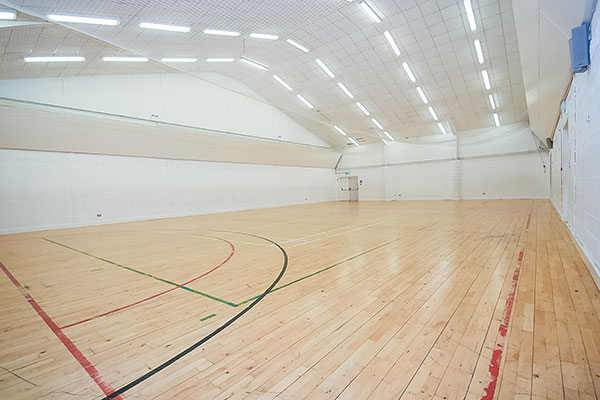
[481,59]
[369,10]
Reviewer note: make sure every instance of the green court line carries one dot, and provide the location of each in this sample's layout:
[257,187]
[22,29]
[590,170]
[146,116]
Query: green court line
[141,273]
[205,318]
[319,271]
[214,297]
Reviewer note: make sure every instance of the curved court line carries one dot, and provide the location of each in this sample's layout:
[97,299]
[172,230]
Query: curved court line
[158,294]
[205,339]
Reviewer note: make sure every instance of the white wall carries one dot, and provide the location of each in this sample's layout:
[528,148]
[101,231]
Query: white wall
[44,190]
[583,109]
[494,163]
[556,173]
[169,98]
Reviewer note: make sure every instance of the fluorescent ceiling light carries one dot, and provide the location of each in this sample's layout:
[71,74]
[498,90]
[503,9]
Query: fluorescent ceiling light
[325,68]
[392,42]
[370,12]
[6,14]
[297,45]
[254,63]
[264,36]
[470,15]
[345,90]
[220,59]
[220,32]
[302,99]
[165,27]
[496,119]
[486,79]
[44,59]
[363,109]
[492,102]
[354,142]
[409,72]
[442,129]
[386,133]
[433,113]
[282,83]
[376,123]
[422,95]
[340,130]
[179,60]
[478,50]
[77,19]
[125,59]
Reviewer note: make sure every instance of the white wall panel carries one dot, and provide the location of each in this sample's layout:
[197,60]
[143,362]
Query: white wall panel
[175,98]
[511,177]
[42,190]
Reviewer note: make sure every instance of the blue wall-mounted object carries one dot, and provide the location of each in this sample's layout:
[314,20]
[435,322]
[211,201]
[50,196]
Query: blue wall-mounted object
[579,45]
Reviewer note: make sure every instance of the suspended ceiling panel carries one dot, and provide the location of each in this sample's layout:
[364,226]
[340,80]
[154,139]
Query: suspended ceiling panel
[433,36]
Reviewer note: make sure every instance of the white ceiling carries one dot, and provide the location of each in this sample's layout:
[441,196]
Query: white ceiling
[544,29]
[433,36]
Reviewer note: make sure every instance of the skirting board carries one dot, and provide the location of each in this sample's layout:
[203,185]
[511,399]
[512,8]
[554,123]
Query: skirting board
[586,260]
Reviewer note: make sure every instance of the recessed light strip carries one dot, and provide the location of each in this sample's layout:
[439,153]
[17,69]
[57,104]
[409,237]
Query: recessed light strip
[492,101]
[45,59]
[363,109]
[282,82]
[220,59]
[306,102]
[354,142]
[486,79]
[377,123]
[78,19]
[340,130]
[165,27]
[370,12]
[409,72]
[345,90]
[422,95]
[325,68]
[470,15]
[221,32]
[496,119]
[386,133]
[125,59]
[8,15]
[392,42]
[265,36]
[442,129]
[478,50]
[297,45]
[179,60]
[433,113]
[254,63]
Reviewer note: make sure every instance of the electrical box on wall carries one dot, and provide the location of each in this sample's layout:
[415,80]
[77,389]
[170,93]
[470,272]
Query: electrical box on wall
[579,44]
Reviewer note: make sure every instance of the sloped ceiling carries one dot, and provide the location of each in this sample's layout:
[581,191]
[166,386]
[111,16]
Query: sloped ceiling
[543,30]
[433,36]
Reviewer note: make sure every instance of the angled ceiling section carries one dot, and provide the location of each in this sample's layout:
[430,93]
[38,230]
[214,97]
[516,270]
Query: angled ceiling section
[543,30]
[433,38]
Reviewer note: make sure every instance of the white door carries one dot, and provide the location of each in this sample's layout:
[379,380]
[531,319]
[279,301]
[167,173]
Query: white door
[353,188]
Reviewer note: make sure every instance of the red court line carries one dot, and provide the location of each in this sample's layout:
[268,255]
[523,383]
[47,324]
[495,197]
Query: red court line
[494,368]
[157,294]
[77,354]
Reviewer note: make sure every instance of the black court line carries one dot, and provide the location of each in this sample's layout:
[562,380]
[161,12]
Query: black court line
[205,339]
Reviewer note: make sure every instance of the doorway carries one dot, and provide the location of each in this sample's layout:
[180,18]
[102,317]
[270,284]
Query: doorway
[349,188]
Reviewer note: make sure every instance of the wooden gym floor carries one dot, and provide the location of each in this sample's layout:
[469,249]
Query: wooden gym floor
[380,300]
